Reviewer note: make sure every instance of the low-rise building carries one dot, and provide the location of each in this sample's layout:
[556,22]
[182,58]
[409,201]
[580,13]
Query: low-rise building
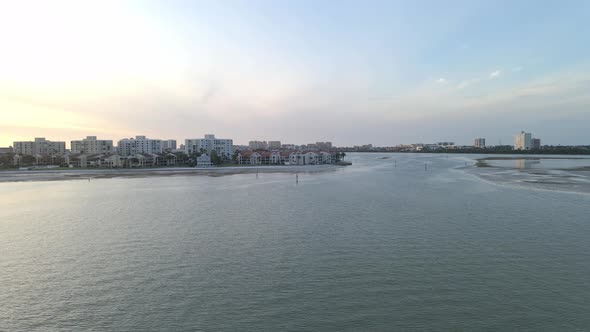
[112,161]
[303,158]
[204,160]
[446,145]
[108,160]
[275,157]
[249,158]
[325,157]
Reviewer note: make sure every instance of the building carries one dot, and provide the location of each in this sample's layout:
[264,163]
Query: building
[249,158]
[303,158]
[257,145]
[108,160]
[139,144]
[536,143]
[324,145]
[91,145]
[479,143]
[204,160]
[6,150]
[39,147]
[168,145]
[522,141]
[222,146]
[274,145]
[325,157]
[446,145]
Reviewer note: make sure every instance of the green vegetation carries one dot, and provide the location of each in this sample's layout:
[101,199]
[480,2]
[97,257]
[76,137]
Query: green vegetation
[215,158]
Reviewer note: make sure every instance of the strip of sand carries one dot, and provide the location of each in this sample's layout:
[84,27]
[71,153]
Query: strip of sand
[84,174]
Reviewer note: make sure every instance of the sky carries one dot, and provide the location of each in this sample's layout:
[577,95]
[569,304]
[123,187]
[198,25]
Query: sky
[350,72]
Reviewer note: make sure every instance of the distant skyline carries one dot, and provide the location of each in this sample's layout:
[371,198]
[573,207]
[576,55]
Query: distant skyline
[349,72]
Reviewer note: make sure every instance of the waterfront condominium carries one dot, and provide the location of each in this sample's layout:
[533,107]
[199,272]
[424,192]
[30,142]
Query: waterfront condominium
[139,144]
[222,146]
[91,145]
[40,146]
[522,141]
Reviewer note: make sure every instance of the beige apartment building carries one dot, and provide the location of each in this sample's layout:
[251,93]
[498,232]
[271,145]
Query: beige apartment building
[40,146]
[91,145]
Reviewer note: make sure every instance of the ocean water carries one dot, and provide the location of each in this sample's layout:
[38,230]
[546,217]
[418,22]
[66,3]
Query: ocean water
[378,246]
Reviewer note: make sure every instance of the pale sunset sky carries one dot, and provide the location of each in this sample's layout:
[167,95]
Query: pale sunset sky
[350,72]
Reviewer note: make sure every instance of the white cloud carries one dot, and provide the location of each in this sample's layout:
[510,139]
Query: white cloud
[495,74]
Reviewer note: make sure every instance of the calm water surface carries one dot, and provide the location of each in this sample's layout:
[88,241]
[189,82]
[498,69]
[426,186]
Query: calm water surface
[375,246]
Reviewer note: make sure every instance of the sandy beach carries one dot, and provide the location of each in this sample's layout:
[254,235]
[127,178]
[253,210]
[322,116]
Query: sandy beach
[86,174]
[563,173]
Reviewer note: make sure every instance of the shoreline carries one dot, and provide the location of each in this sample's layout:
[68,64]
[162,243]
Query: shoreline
[484,162]
[560,178]
[87,174]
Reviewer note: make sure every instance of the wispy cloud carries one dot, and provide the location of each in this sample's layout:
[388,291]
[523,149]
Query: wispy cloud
[495,74]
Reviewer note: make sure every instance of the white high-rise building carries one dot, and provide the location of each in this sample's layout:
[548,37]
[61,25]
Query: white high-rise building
[523,141]
[168,144]
[479,143]
[91,145]
[139,144]
[40,146]
[222,146]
